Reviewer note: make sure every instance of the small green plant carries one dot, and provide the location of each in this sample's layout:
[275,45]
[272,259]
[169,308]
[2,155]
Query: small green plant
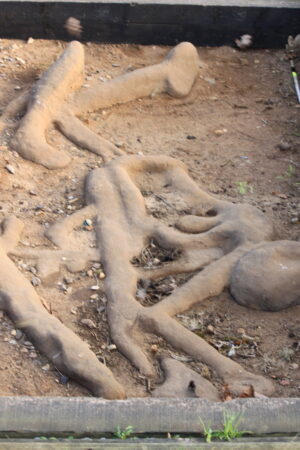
[230,429]
[124,434]
[243,187]
[287,353]
[290,171]
[45,438]
[296,133]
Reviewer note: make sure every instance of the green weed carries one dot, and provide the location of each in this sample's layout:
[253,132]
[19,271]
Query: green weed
[124,434]
[243,187]
[286,354]
[290,171]
[230,429]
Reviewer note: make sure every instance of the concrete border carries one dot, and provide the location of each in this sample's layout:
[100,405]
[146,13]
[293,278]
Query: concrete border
[278,443]
[90,416]
[202,22]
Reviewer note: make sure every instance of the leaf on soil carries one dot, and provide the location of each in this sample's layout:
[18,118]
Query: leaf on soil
[226,394]
[248,392]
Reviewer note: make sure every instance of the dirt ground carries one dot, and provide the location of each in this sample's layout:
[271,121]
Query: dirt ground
[239,134]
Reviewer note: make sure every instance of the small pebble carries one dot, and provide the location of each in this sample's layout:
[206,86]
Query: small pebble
[244,42]
[241,331]
[30,40]
[35,281]
[73,200]
[141,294]
[95,288]
[68,280]
[220,132]
[63,287]
[210,329]
[21,61]
[102,275]
[88,323]
[32,355]
[100,309]
[10,169]
[87,223]
[112,347]
[283,146]
[231,352]
[46,367]
[63,379]
[17,334]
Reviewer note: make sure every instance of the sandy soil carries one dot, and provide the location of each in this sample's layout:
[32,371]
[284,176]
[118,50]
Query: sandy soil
[248,97]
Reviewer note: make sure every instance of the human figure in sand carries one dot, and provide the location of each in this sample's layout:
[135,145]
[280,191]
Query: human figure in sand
[224,244]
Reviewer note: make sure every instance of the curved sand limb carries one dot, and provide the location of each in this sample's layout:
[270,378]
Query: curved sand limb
[175,76]
[49,101]
[63,348]
[16,106]
[75,131]
[46,98]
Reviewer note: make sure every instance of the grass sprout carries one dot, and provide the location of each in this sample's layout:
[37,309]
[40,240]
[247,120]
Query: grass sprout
[230,429]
